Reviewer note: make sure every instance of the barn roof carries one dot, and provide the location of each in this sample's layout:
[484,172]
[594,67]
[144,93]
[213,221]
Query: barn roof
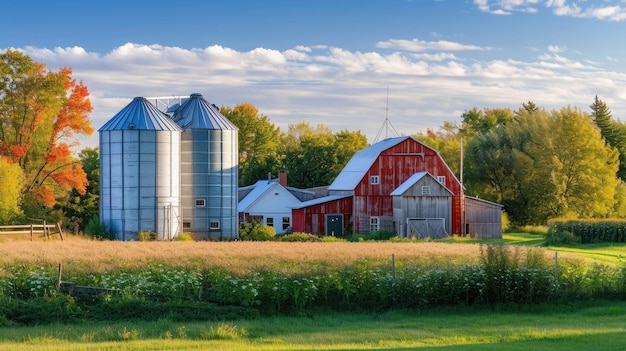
[361,162]
[197,113]
[320,200]
[412,181]
[140,114]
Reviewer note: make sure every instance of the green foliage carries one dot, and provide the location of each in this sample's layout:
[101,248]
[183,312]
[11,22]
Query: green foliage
[305,146]
[299,237]
[256,231]
[97,229]
[537,165]
[224,331]
[589,231]
[376,235]
[259,142]
[184,237]
[146,235]
[11,181]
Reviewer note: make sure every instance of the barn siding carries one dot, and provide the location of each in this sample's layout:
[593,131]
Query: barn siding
[394,166]
[312,219]
[483,218]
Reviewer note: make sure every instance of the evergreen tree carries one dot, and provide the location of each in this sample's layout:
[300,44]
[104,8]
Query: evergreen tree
[613,132]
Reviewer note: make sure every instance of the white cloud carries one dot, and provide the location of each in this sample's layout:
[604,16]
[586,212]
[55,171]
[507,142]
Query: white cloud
[340,88]
[417,45]
[615,11]
[556,48]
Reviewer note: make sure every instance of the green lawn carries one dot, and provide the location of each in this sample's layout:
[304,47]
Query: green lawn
[594,326]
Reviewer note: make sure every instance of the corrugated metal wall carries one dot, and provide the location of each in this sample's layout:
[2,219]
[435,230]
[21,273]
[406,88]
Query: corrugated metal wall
[140,182]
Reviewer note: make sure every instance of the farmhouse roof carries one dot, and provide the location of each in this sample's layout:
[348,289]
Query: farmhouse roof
[197,113]
[320,200]
[140,114]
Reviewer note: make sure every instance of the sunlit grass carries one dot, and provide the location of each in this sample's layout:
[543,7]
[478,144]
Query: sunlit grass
[596,326]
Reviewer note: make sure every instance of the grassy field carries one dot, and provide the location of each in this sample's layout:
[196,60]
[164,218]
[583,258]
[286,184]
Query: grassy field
[594,326]
[585,326]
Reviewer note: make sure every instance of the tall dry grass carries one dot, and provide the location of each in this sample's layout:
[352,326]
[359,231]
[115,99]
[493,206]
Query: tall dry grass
[80,253]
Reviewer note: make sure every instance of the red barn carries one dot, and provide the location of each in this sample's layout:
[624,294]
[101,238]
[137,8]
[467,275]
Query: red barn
[361,195]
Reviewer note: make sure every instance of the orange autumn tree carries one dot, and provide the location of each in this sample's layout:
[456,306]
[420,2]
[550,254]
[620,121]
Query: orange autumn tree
[41,113]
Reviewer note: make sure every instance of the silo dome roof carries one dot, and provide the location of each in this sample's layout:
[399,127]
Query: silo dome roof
[197,113]
[141,115]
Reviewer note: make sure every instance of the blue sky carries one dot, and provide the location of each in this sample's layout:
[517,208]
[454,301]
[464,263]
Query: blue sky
[333,62]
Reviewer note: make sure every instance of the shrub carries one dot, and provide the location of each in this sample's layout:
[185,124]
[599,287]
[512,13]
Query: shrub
[184,237]
[299,237]
[146,235]
[256,231]
[97,229]
[376,235]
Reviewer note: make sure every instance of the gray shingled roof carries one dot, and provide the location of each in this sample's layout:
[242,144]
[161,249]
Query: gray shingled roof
[140,114]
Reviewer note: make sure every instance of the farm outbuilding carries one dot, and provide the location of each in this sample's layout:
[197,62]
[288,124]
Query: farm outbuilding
[483,218]
[422,207]
[140,172]
[329,215]
[164,175]
[383,187]
[209,170]
[269,201]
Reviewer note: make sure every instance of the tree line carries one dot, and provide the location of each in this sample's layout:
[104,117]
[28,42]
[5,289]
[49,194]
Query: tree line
[539,164]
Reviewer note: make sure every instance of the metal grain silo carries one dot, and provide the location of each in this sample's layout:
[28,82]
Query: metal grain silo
[140,172]
[209,170]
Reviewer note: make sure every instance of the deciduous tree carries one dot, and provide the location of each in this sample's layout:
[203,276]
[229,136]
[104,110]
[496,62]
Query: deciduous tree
[11,178]
[259,142]
[41,112]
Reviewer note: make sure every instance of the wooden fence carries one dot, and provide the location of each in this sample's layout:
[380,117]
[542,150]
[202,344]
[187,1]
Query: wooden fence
[44,229]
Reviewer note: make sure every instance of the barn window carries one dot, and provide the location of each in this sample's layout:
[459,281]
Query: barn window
[374,224]
[269,221]
[200,203]
[374,180]
[186,225]
[213,225]
[286,222]
[425,190]
[442,179]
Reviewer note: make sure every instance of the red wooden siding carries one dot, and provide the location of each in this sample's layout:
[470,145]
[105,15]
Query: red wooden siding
[394,166]
[312,219]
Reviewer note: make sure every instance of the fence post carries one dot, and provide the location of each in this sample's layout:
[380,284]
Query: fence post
[59,277]
[31,232]
[556,264]
[60,231]
[393,270]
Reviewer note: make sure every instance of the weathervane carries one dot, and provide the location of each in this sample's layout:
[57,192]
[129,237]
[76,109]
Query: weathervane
[387,126]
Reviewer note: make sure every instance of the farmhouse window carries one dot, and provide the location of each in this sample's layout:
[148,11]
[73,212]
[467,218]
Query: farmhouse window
[214,225]
[200,202]
[425,190]
[375,179]
[442,179]
[374,224]
[286,222]
[269,221]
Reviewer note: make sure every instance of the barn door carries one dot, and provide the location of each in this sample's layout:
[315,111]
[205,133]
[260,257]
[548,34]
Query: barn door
[334,225]
[433,228]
